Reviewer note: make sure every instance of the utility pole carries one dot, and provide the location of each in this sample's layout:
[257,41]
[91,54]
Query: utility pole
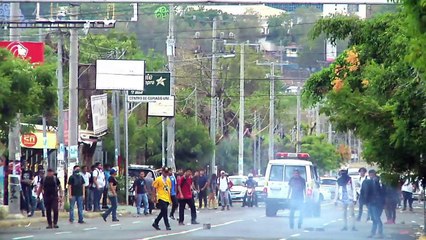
[241,124]
[255,129]
[14,130]
[298,120]
[196,105]
[60,77]
[213,96]
[171,55]
[73,86]
[126,143]
[330,133]
[317,120]
[163,144]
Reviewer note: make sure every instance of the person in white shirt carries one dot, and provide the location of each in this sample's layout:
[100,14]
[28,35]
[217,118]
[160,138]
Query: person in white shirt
[99,185]
[346,195]
[407,194]
[86,177]
[36,184]
[223,183]
[361,202]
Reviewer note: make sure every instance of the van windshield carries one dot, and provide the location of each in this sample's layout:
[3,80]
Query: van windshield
[277,173]
[289,169]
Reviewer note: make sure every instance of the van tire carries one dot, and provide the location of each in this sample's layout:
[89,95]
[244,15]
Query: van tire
[271,211]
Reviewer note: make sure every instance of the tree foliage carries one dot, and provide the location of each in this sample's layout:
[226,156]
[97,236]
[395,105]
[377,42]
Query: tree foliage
[322,153]
[373,90]
[24,89]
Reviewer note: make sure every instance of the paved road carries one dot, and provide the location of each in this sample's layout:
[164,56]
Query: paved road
[236,224]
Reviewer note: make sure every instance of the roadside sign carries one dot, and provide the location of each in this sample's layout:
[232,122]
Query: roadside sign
[156,84]
[73,152]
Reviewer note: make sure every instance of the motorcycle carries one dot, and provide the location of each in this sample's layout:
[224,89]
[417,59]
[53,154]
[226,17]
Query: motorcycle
[250,199]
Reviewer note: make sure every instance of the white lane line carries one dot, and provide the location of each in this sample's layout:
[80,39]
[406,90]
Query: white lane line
[171,234]
[413,221]
[24,237]
[60,233]
[333,221]
[115,225]
[326,224]
[92,228]
[136,222]
[295,235]
[218,211]
[306,231]
[226,223]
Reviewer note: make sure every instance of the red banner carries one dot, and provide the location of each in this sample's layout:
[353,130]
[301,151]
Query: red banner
[32,51]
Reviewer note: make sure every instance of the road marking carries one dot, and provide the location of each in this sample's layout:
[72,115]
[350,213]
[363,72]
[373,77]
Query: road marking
[333,221]
[171,234]
[59,233]
[218,211]
[325,224]
[115,225]
[226,223]
[24,237]
[295,235]
[92,228]
[135,222]
[306,231]
[413,221]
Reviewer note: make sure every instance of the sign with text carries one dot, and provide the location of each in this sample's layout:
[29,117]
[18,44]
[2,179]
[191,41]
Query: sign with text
[32,51]
[99,113]
[156,84]
[148,99]
[162,108]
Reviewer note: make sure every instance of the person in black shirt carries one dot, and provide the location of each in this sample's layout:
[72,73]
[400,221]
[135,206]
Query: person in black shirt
[296,195]
[26,184]
[112,195]
[202,189]
[141,197]
[50,186]
[76,194]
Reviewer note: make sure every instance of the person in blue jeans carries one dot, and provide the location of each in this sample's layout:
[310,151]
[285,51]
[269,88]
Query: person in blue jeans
[112,195]
[296,194]
[375,200]
[76,193]
[141,197]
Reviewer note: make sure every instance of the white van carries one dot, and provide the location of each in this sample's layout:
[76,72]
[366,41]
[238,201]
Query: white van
[278,174]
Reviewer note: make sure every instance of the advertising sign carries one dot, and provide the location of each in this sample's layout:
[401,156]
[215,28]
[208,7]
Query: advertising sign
[37,141]
[162,108]
[120,74]
[32,51]
[157,86]
[99,113]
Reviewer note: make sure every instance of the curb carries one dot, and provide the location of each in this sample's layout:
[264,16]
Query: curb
[5,223]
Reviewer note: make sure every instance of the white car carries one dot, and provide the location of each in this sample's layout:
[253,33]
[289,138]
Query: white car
[329,183]
[325,194]
[238,189]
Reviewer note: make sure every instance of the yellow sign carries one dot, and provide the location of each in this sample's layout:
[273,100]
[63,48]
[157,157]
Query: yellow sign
[35,140]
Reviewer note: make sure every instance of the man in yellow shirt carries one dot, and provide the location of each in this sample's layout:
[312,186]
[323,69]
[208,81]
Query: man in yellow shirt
[161,195]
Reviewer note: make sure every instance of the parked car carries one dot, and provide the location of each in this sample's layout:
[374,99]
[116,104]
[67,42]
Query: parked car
[238,190]
[329,183]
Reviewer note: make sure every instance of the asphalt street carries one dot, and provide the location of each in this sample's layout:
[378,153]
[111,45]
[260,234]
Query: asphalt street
[237,224]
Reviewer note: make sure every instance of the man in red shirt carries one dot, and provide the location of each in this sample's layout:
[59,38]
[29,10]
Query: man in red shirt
[185,197]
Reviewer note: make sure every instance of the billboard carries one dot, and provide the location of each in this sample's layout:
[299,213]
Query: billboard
[32,51]
[35,140]
[120,75]
[162,108]
[99,105]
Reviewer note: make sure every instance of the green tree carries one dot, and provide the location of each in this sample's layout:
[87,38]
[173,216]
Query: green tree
[374,84]
[24,89]
[322,153]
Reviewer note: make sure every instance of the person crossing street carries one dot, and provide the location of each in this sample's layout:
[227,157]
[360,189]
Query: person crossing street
[161,196]
[185,197]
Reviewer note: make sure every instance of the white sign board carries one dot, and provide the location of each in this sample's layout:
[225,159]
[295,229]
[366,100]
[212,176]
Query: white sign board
[120,74]
[148,98]
[99,105]
[162,108]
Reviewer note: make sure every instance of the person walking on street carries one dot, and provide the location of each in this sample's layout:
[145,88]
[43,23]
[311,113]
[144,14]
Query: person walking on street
[76,194]
[375,200]
[112,195]
[161,195]
[52,194]
[26,185]
[185,197]
[202,189]
[346,194]
[106,170]
[407,194]
[391,201]
[173,194]
[35,201]
[149,180]
[86,176]
[361,202]
[98,185]
[296,194]
[223,183]
[213,192]
[141,197]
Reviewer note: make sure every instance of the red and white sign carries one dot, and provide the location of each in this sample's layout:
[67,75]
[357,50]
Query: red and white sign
[29,140]
[32,51]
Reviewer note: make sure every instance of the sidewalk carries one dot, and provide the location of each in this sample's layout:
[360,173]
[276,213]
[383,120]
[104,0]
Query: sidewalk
[18,220]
